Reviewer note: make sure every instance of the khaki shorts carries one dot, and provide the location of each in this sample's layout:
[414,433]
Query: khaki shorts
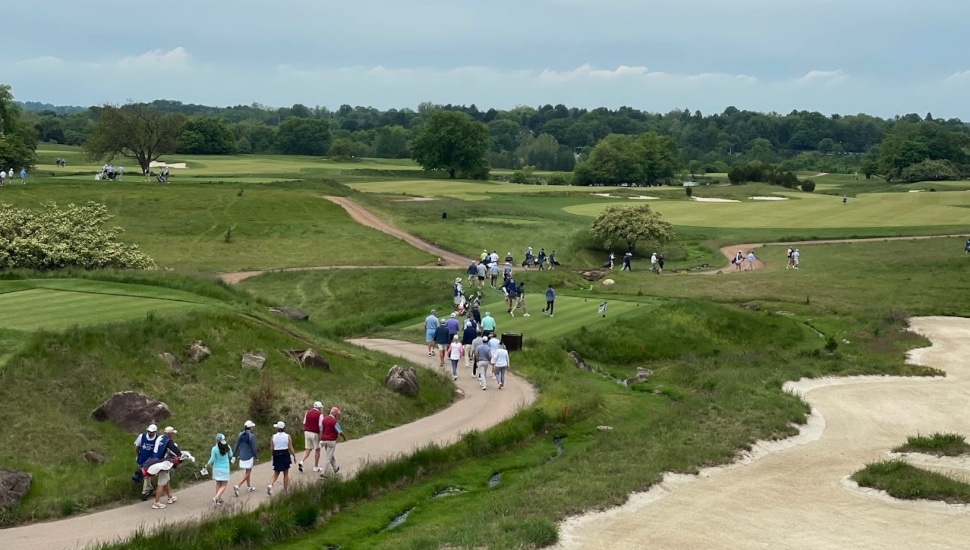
[311,440]
[164,477]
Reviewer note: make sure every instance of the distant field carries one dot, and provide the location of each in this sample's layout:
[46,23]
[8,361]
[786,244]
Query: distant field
[463,189]
[814,211]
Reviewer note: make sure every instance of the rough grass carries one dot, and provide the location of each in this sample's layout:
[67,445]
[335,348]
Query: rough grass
[72,372]
[901,480]
[938,444]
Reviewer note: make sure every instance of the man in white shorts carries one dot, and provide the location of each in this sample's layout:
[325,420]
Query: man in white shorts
[312,426]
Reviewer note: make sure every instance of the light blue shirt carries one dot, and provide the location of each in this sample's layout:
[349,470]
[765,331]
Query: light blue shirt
[430,322]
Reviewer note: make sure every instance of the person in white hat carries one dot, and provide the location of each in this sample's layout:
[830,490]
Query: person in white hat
[312,426]
[283,456]
[457,292]
[145,449]
[220,459]
[246,451]
[165,447]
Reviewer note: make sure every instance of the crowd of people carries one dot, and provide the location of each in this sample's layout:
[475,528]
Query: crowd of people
[157,454]
[473,342]
[7,176]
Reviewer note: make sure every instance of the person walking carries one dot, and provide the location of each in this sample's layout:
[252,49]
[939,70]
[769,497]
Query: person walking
[738,260]
[541,258]
[609,260]
[493,275]
[500,364]
[660,261]
[430,326]
[520,297]
[966,247]
[789,265]
[452,325]
[165,447]
[283,456]
[145,449]
[331,431]
[468,334]
[455,352]
[441,339]
[845,200]
[488,323]
[751,260]
[23,176]
[552,260]
[312,426]
[550,301]
[481,273]
[482,358]
[627,262]
[220,459]
[246,451]
[794,259]
[472,272]
[457,293]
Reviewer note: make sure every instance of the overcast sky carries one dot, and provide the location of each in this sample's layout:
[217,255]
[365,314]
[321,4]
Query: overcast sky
[836,56]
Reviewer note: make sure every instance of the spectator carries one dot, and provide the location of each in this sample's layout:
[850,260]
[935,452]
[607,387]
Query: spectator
[246,451]
[220,459]
[331,431]
[283,456]
[145,449]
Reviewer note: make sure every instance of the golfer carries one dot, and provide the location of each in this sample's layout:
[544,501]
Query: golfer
[283,456]
[220,458]
[246,451]
[331,431]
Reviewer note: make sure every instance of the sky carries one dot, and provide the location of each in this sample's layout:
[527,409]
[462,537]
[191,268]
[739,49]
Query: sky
[882,57]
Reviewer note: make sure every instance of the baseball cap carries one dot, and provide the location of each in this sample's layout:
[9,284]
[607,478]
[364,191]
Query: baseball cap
[249,424]
[317,405]
[280,425]
[152,428]
[334,410]
[170,430]
[220,438]
[453,314]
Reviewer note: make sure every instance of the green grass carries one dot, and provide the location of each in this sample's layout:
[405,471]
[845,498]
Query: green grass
[938,444]
[901,480]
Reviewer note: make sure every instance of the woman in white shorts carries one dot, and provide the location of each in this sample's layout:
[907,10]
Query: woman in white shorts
[246,451]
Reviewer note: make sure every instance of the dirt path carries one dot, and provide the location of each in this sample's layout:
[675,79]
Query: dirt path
[795,495]
[476,410]
[367,218]
[730,250]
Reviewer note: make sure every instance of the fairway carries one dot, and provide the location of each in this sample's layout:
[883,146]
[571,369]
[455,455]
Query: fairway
[571,313]
[462,189]
[34,305]
[814,211]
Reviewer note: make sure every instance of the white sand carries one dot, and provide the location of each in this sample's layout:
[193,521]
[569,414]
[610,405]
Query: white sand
[603,195]
[644,198]
[703,199]
[159,164]
[768,198]
[915,190]
[416,199]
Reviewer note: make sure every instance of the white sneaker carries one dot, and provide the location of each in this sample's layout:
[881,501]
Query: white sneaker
[269,490]
[527,315]
[172,499]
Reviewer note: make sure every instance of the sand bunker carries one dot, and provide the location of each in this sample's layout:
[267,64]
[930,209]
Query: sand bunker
[603,195]
[768,198]
[703,199]
[915,190]
[158,164]
[644,198]
[416,199]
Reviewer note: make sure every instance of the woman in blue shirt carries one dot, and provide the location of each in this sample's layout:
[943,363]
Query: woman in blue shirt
[246,451]
[219,459]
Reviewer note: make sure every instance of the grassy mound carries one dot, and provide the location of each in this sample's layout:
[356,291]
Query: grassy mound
[939,444]
[901,480]
[51,385]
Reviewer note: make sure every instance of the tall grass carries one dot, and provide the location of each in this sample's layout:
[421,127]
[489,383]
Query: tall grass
[901,480]
[939,444]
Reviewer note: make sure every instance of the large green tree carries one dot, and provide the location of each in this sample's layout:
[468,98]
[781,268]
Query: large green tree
[619,158]
[136,131]
[207,136]
[452,141]
[629,225]
[18,141]
[304,136]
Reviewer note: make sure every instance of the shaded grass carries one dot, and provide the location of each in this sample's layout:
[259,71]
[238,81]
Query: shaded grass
[938,444]
[901,480]
[72,372]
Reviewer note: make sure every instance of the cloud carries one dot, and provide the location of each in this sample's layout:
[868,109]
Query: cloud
[959,76]
[155,60]
[825,78]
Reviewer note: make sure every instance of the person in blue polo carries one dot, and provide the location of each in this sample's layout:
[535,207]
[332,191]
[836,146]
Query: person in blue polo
[145,449]
[430,324]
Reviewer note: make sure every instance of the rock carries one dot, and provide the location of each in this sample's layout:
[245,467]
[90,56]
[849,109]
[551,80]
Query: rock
[307,358]
[94,457]
[198,351]
[440,263]
[402,380]
[592,275]
[290,313]
[580,363]
[608,282]
[231,378]
[752,307]
[253,361]
[131,411]
[642,374]
[14,485]
[174,362]
[604,428]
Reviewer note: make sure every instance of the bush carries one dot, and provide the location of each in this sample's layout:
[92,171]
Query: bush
[808,186]
[689,191]
[558,179]
[930,170]
[831,345]
[50,238]
[262,401]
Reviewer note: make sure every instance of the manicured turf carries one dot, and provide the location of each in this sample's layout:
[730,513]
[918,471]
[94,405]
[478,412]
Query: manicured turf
[460,189]
[811,211]
[58,304]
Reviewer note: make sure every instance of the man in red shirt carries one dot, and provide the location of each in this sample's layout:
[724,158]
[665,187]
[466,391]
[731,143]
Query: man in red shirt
[312,427]
[331,430]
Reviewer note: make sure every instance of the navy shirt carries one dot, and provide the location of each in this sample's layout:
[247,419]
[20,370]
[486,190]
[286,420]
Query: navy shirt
[441,335]
[468,335]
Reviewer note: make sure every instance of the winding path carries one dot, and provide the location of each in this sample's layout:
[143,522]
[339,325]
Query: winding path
[361,215]
[474,410]
[791,494]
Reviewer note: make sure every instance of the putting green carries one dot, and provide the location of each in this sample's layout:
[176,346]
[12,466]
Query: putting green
[813,211]
[570,314]
[58,304]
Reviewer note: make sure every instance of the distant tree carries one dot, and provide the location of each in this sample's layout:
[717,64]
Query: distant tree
[620,158]
[826,146]
[695,167]
[206,136]
[342,148]
[136,131]
[18,141]
[304,136]
[629,225]
[392,142]
[808,186]
[454,142]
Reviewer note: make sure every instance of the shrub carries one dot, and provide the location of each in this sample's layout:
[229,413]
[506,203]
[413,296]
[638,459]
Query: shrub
[262,401]
[831,345]
[930,170]
[689,191]
[558,179]
[808,186]
[50,238]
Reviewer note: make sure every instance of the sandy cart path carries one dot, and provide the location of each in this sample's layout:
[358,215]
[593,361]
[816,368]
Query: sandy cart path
[794,497]
[476,410]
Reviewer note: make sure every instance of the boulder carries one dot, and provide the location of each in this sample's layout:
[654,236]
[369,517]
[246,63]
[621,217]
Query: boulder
[174,362]
[608,282]
[580,363]
[290,313]
[604,428]
[14,485]
[642,374]
[252,361]
[752,307]
[95,457]
[592,275]
[402,380]
[307,358]
[131,411]
[198,351]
